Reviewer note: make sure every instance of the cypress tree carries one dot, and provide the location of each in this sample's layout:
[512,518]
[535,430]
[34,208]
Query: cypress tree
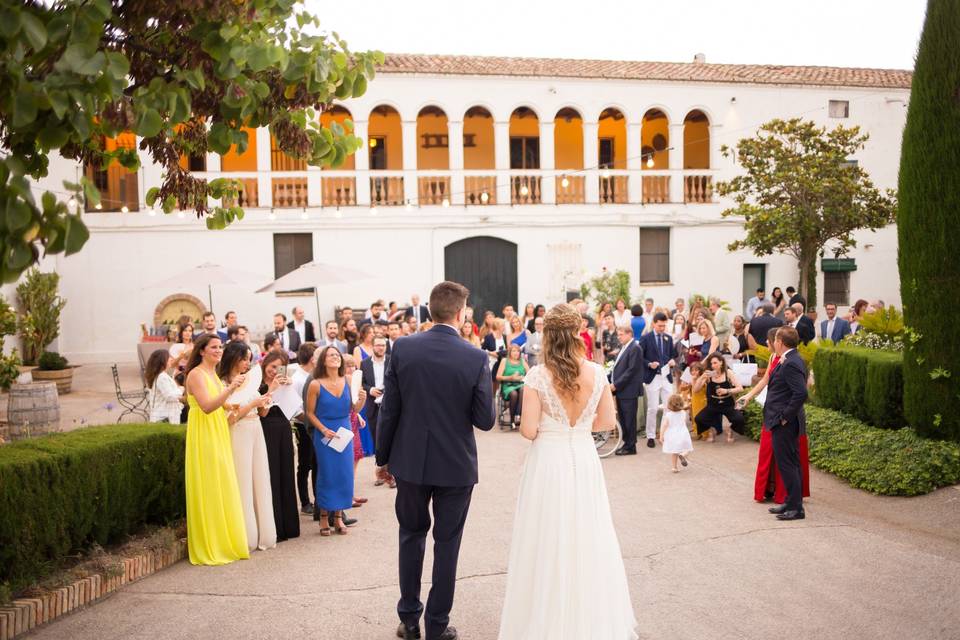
[928,227]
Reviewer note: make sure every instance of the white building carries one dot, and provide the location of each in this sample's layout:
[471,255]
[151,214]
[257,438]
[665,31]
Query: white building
[485,170]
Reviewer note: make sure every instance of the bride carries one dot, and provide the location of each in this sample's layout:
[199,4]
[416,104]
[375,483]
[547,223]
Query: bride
[566,577]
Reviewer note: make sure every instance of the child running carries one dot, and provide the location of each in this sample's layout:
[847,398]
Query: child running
[674,436]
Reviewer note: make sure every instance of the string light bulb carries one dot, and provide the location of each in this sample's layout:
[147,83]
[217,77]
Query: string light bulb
[152,211]
[180,215]
[484,197]
[445,202]
[373,143]
[272,216]
[524,190]
[650,162]
[565,182]
[72,204]
[304,215]
[408,206]
[124,209]
[98,206]
[373,209]
[605,174]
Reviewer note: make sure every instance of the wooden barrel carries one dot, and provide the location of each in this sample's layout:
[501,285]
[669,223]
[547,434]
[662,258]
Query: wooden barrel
[33,410]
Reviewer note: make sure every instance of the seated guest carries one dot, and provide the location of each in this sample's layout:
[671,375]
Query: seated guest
[328,408]
[165,397]
[466,332]
[487,325]
[495,344]
[249,449]
[279,440]
[533,347]
[637,323]
[518,333]
[833,328]
[510,375]
[722,385]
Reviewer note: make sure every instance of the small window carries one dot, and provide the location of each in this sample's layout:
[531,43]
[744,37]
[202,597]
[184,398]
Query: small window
[836,288]
[655,254]
[524,152]
[378,153]
[606,158]
[291,250]
[839,108]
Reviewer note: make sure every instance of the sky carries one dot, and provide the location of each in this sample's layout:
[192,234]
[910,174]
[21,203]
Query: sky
[842,33]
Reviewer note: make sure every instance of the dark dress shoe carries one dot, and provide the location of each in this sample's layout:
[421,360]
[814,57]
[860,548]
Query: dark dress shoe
[448,634]
[408,633]
[625,451]
[307,509]
[650,443]
[347,522]
[777,510]
[791,515]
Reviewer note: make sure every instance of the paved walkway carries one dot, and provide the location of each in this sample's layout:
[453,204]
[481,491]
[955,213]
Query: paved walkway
[703,561]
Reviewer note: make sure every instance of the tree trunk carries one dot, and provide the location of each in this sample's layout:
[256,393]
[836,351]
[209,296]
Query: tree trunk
[808,277]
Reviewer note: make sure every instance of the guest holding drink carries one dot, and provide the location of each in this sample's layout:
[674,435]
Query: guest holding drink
[722,386]
[216,531]
[249,448]
[328,408]
[278,435]
[165,396]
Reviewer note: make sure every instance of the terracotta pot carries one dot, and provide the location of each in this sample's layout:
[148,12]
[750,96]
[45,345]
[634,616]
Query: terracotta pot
[63,378]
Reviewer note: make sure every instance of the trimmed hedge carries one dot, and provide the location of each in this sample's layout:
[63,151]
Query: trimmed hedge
[62,493]
[864,383]
[891,463]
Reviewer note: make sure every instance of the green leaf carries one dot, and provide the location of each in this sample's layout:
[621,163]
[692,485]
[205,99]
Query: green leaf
[59,102]
[219,138]
[18,257]
[359,86]
[24,109]
[118,64]
[18,214]
[10,22]
[90,192]
[149,123]
[151,196]
[77,235]
[258,58]
[53,137]
[34,30]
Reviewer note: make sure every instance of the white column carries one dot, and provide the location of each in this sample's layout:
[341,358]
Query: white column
[264,187]
[548,184]
[501,154]
[361,160]
[214,162]
[715,157]
[455,139]
[634,162]
[314,188]
[591,154]
[676,163]
[410,143]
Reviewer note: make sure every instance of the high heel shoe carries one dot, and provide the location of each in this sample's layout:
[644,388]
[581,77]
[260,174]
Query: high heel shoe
[338,525]
[324,525]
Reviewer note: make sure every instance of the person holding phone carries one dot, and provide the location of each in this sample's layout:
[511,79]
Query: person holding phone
[495,344]
[722,385]
[328,409]
[279,439]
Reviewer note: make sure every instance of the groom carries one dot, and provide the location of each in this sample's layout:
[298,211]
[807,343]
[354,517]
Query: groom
[436,389]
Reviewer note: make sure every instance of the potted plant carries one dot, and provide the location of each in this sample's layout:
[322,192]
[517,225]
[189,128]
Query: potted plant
[53,367]
[9,364]
[40,307]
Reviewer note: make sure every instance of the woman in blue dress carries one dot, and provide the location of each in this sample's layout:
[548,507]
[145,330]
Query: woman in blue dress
[328,409]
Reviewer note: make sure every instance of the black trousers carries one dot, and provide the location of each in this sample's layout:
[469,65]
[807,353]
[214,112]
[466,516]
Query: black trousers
[786,452]
[627,414]
[712,416]
[373,412]
[450,507]
[279,439]
[306,463]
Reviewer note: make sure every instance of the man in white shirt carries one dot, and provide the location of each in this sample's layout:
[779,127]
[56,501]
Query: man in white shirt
[647,315]
[417,311]
[288,338]
[754,304]
[373,370]
[302,326]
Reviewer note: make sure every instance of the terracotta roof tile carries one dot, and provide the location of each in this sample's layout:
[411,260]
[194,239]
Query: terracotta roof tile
[626,70]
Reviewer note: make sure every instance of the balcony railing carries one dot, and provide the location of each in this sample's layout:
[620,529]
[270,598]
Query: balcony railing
[386,190]
[433,189]
[698,188]
[480,190]
[339,192]
[118,188]
[613,190]
[571,190]
[247,194]
[656,189]
[525,189]
[289,193]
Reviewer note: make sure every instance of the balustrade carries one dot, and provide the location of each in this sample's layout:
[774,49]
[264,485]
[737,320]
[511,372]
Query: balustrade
[525,189]
[656,189]
[289,193]
[698,189]
[433,189]
[339,192]
[247,194]
[386,190]
[613,190]
[480,190]
[571,190]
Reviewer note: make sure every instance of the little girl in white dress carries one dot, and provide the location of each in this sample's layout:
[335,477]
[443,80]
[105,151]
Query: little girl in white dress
[674,435]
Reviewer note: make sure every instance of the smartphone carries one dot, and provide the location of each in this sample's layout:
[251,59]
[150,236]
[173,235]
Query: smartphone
[282,371]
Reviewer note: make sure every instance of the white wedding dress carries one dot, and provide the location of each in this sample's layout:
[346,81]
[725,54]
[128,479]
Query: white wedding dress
[565,579]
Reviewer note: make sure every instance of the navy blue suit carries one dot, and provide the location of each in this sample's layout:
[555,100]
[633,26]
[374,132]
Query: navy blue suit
[437,388]
[627,379]
[783,414]
[653,352]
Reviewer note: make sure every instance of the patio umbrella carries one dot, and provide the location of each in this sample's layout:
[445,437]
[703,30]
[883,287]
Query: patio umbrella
[313,275]
[211,274]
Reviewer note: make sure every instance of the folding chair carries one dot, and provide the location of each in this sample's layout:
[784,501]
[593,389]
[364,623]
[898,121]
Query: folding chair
[133,402]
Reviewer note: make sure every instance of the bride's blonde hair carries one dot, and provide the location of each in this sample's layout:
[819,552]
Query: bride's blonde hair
[563,347]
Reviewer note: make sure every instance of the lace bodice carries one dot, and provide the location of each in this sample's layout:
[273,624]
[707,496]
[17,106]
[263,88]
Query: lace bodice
[554,415]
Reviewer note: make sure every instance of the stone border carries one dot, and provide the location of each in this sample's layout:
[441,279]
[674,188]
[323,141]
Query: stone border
[26,614]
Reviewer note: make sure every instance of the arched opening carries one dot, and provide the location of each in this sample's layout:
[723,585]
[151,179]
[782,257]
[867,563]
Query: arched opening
[479,154]
[488,267]
[339,191]
[524,154]
[696,155]
[612,154]
[385,149]
[655,150]
[433,152]
[568,154]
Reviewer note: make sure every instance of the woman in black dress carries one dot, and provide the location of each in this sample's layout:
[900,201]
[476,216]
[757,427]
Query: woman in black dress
[278,435]
[722,386]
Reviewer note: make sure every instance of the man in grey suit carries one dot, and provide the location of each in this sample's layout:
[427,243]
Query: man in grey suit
[331,330]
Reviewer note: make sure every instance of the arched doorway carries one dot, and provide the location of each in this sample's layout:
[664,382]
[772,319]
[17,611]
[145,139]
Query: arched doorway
[488,267]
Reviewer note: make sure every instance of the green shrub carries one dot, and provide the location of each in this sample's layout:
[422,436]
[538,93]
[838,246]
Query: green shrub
[40,307]
[886,322]
[52,361]
[865,383]
[891,463]
[62,493]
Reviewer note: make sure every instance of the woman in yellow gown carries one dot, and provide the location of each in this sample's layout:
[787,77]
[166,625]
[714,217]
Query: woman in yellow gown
[216,531]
